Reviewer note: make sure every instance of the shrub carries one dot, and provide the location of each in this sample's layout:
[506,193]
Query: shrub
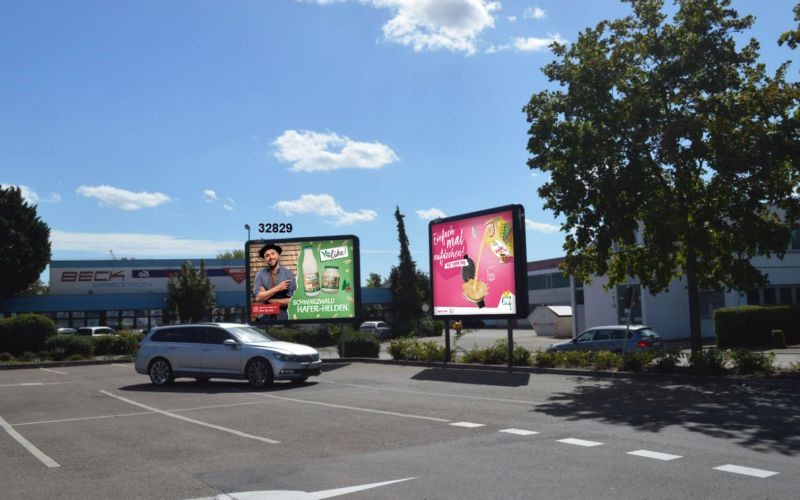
[26,357]
[778,339]
[497,354]
[429,327]
[413,349]
[108,345]
[361,345]
[576,359]
[606,360]
[6,357]
[708,360]
[751,326]
[745,361]
[321,336]
[546,359]
[636,361]
[64,346]
[667,360]
[26,332]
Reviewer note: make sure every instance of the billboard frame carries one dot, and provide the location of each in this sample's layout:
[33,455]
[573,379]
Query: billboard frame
[520,263]
[356,258]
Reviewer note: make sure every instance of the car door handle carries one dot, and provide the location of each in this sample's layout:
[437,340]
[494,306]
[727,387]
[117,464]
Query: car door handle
[172,348]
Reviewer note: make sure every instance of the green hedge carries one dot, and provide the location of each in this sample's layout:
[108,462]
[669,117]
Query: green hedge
[361,344]
[321,336]
[751,326]
[65,346]
[25,333]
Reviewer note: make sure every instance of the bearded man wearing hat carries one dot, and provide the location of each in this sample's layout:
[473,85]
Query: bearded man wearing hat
[274,284]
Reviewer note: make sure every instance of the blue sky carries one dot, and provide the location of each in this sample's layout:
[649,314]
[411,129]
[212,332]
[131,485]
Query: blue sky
[158,129]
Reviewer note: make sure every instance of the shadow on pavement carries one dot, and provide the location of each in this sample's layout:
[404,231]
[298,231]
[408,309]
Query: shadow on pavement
[761,419]
[474,377]
[214,386]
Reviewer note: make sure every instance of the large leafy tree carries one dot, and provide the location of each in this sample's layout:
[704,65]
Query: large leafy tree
[191,292]
[671,152]
[403,279]
[24,243]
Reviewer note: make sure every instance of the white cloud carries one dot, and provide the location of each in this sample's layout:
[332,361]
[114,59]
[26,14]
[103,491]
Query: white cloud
[310,151]
[534,44]
[209,195]
[120,198]
[430,214]
[541,227]
[31,196]
[534,13]
[138,244]
[324,205]
[453,25]
[512,19]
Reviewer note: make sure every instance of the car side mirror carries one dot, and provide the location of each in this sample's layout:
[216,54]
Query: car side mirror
[230,343]
[575,340]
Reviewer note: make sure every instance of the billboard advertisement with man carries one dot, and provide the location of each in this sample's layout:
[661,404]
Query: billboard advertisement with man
[303,280]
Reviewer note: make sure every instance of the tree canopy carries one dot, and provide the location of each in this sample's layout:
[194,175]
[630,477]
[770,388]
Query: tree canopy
[236,253]
[191,292]
[671,152]
[24,243]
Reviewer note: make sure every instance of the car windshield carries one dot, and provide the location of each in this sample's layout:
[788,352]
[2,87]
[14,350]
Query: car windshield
[250,335]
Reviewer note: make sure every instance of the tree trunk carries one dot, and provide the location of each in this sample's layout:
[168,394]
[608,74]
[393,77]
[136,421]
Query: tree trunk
[694,301]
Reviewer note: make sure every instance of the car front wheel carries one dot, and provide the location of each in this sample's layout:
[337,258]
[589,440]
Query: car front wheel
[259,372]
[161,372]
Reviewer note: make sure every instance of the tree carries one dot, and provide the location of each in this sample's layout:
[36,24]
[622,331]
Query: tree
[236,253]
[792,38]
[670,146]
[35,288]
[191,292]
[403,280]
[374,280]
[24,243]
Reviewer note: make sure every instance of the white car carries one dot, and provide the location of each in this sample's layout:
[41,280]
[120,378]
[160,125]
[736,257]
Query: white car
[95,331]
[379,328]
[223,350]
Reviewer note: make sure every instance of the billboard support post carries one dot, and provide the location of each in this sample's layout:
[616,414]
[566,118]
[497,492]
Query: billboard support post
[446,341]
[510,346]
[342,353]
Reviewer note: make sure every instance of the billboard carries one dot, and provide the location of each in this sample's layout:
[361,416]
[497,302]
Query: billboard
[478,264]
[303,280]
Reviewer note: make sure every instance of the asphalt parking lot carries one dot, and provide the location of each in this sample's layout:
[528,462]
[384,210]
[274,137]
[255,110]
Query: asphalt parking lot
[376,431]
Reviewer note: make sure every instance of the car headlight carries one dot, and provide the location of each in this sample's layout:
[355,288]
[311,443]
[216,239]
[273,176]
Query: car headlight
[283,357]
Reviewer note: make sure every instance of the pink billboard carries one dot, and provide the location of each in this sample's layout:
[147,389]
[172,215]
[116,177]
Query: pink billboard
[478,264]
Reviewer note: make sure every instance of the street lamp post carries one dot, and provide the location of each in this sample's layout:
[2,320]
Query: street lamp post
[247,226]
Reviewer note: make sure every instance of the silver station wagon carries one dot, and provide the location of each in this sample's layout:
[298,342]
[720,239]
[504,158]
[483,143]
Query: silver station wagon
[223,350]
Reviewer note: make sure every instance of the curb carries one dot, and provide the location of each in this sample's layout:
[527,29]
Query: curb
[661,377]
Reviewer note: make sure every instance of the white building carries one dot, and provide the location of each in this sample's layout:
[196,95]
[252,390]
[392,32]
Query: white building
[668,312]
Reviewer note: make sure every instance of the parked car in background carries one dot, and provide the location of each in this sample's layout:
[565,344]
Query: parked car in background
[66,331]
[96,331]
[611,338]
[223,350]
[379,328]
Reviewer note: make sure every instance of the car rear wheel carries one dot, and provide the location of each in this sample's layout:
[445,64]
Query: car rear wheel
[161,372]
[259,372]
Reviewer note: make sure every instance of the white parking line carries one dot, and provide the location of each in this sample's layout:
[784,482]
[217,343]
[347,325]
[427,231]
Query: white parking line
[468,425]
[654,455]
[519,432]
[36,452]
[580,442]
[351,408]
[191,420]
[747,471]
[34,384]
[120,366]
[53,371]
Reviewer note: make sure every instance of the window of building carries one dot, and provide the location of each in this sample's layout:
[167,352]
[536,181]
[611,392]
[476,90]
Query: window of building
[547,281]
